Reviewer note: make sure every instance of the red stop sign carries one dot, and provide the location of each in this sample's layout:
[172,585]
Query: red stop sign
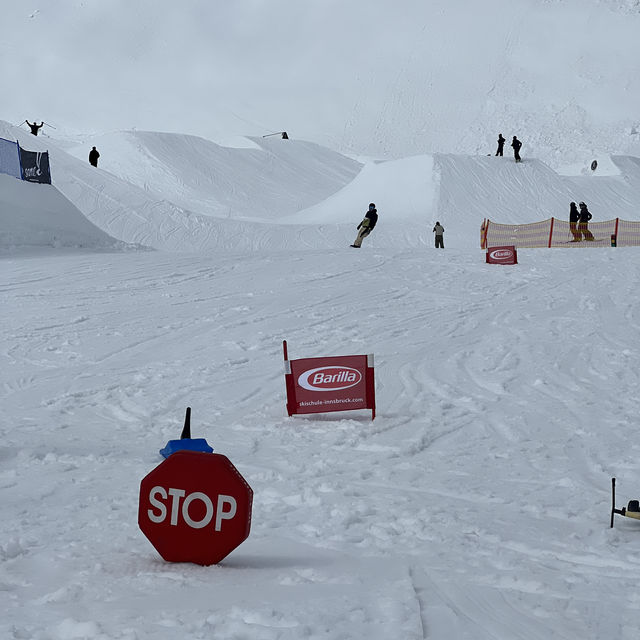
[195,507]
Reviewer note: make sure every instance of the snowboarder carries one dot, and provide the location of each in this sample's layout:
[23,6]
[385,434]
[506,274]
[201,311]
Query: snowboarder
[585,216]
[366,226]
[439,231]
[516,144]
[35,127]
[93,157]
[574,217]
[501,141]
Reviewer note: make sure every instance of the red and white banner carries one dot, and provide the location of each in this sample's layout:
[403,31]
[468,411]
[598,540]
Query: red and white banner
[502,255]
[333,383]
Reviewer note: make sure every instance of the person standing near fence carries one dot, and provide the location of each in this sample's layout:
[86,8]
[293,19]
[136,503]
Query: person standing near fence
[439,231]
[574,217]
[585,216]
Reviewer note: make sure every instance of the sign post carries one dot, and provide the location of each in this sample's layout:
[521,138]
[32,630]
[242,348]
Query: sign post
[502,255]
[334,383]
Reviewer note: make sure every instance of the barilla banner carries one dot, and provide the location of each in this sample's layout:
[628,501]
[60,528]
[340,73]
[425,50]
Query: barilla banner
[502,255]
[333,383]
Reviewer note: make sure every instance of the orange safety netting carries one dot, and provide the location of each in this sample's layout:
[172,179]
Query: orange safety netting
[558,233]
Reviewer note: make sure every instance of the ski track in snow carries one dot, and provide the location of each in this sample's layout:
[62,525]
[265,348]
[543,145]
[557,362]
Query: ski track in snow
[474,506]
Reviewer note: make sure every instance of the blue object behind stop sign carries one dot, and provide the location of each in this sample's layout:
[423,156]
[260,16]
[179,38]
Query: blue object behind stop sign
[186,442]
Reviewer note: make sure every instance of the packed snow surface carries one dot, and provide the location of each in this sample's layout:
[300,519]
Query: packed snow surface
[477,503]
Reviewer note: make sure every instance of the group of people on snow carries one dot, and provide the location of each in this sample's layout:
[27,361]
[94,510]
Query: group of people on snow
[579,221]
[370,220]
[93,154]
[515,144]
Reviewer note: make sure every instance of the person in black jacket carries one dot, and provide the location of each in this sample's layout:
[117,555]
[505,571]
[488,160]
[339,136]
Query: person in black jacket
[574,216]
[516,144]
[366,226]
[585,216]
[35,127]
[500,145]
[93,157]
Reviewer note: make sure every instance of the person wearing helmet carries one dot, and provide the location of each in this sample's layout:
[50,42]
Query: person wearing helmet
[585,216]
[366,226]
[574,217]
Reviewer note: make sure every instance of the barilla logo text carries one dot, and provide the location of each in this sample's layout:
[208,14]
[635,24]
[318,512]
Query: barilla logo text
[501,254]
[329,378]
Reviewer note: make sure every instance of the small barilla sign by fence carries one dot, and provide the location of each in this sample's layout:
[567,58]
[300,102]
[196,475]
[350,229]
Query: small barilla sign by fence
[502,255]
[333,383]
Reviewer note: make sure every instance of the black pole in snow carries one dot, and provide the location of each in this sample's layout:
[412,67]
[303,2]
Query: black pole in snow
[186,430]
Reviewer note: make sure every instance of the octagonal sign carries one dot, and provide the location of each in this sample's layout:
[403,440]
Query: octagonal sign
[195,507]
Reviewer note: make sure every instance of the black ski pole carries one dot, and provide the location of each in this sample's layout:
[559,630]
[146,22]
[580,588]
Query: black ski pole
[48,125]
[613,499]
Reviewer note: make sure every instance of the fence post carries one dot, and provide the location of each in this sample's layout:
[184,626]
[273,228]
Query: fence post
[550,232]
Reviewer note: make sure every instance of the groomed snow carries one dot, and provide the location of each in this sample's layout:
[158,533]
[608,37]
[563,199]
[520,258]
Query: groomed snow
[476,506]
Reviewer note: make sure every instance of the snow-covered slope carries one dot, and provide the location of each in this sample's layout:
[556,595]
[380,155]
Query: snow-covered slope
[181,193]
[38,215]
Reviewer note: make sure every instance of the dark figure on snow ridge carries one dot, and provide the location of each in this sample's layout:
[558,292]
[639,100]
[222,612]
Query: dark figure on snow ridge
[35,127]
[574,217]
[439,231]
[366,226]
[501,142]
[93,157]
[284,135]
[516,144]
[585,216]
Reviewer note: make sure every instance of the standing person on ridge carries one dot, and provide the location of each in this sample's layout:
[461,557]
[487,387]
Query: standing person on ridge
[501,142]
[516,144]
[574,217]
[35,127]
[366,226]
[439,231]
[585,216]
[93,157]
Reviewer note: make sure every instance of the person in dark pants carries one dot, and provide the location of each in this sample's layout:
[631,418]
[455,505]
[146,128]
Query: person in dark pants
[366,226]
[516,144]
[35,127]
[93,157]
[500,145]
[585,216]
[439,231]
[574,217]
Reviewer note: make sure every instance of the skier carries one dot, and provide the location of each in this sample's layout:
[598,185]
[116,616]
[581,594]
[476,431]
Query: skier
[35,127]
[585,216]
[439,231]
[516,144]
[574,216]
[500,145]
[366,226]
[93,157]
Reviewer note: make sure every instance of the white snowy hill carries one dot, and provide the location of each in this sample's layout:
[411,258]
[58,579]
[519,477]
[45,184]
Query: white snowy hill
[182,193]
